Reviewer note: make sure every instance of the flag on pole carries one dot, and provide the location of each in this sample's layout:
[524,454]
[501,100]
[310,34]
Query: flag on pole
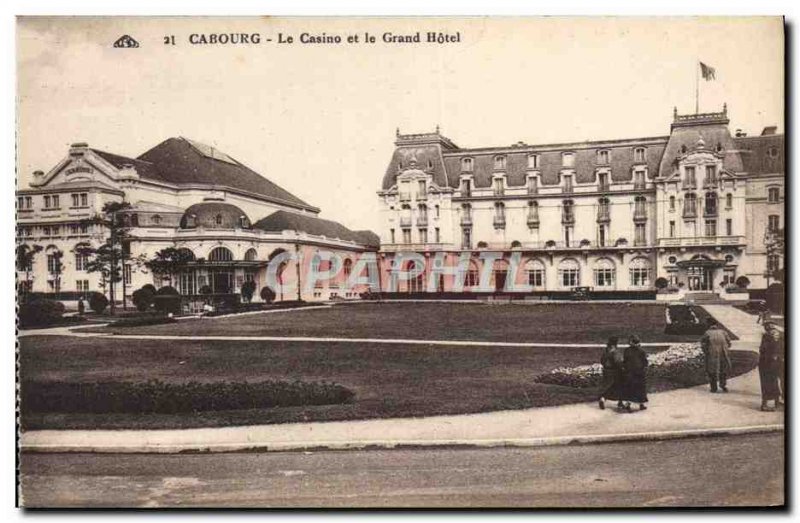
[708,72]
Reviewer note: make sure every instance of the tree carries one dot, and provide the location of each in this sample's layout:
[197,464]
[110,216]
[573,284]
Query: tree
[109,257]
[170,263]
[56,268]
[248,289]
[26,254]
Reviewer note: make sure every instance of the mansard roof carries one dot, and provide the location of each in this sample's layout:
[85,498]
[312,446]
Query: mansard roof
[292,221]
[762,154]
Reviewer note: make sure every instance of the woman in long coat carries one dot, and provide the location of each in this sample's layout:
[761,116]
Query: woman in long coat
[635,372]
[611,385]
[770,363]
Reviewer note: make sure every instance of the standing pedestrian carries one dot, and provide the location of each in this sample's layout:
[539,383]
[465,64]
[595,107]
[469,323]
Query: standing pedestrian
[81,306]
[611,385]
[715,344]
[635,375]
[770,362]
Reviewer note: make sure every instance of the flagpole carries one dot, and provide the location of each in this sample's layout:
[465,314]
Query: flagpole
[696,89]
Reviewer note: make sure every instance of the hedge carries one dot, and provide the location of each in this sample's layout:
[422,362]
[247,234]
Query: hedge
[40,313]
[172,398]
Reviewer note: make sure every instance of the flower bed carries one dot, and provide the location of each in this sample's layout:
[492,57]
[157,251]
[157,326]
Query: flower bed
[680,362]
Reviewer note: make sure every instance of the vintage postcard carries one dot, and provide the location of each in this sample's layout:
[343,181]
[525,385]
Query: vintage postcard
[507,262]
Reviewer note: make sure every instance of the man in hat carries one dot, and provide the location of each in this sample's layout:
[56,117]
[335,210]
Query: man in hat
[770,366]
[715,344]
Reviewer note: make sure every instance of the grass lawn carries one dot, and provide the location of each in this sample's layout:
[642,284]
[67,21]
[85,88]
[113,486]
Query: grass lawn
[542,323]
[394,380]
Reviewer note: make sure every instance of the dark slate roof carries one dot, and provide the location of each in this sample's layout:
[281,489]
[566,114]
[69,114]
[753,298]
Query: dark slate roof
[206,213]
[713,134]
[181,162]
[285,220]
[754,153]
[438,156]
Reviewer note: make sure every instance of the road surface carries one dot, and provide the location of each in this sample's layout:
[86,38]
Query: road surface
[722,471]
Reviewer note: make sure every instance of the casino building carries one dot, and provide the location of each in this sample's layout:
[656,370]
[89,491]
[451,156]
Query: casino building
[186,195]
[692,207]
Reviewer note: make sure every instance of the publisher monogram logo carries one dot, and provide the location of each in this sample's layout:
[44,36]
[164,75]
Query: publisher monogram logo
[126,41]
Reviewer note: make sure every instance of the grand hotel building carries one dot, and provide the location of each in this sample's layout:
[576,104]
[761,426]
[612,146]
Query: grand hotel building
[692,207]
[183,194]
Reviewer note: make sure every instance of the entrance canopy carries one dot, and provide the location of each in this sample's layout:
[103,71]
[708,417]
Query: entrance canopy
[703,263]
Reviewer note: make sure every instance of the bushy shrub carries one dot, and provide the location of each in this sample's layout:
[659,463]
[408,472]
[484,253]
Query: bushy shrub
[143,298]
[205,289]
[743,282]
[661,283]
[150,287]
[40,313]
[167,303]
[683,319]
[248,289]
[267,294]
[167,290]
[98,302]
[171,398]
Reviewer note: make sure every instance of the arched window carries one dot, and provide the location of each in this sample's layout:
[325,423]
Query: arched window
[156,219]
[220,254]
[640,272]
[347,267]
[605,273]
[472,278]
[482,245]
[639,154]
[535,272]
[569,273]
[516,244]
[251,255]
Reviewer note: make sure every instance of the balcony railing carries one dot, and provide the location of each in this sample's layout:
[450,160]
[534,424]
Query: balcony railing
[466,219]
[422,220]
[701,241]
[420,247]
[568,188]
[690,212]
[466,192]
[498,191]
[640,214]
[639,186]
[405,221]
[499,222]
[604,187]
[533,220]
[405,197]
[603,215]
[533,189]
[567,217]
[710,183]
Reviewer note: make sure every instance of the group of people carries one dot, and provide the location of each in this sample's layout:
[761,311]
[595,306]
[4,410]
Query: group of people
[625,370]
[624,374]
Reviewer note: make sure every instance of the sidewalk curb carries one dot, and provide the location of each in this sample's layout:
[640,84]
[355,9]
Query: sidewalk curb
[283,446]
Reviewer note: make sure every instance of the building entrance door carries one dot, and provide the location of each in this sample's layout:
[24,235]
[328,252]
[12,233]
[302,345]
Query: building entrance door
[700,278]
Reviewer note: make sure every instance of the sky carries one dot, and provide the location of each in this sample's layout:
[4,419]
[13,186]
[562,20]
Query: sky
[320,120]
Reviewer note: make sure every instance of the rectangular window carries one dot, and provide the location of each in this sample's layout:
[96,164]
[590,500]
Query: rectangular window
[391,235]
[711,227]
[466,188]
[602,179]
[568,160]
[532,185]
[498,187]
[773,222]
[80,261]
[639,235]
[471,279]
[640,277]
[20,202]
[499,162]
[55,201]
[729,227]
[76,200]
[567,183]
[536,278]
[47,201]
[638,155]
[127,273]
[773,263]
[82,285]
[46,231]
[84,200]
[422,189]
[604,277]
[53,264]
[436,235]
[729,201]
[601,235]
[690,177]
[711,175]
[406,236]
[29,202]
[567,235]
[569,277]
[638,180]
[423,235]
[466,238]
[672,229]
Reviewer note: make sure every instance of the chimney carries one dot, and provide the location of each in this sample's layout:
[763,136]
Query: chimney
[78,149]
[38,178]
[769,130]
[740,133]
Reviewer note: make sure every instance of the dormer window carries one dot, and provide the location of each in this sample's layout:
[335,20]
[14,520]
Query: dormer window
[533,161]
[218,219]
[773,195]
[639,155]
[244,223]
[156,219]
[466,165]
[690,180]
[568,159]
[772,152]
[430,164]
[603,157]
[499,163]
